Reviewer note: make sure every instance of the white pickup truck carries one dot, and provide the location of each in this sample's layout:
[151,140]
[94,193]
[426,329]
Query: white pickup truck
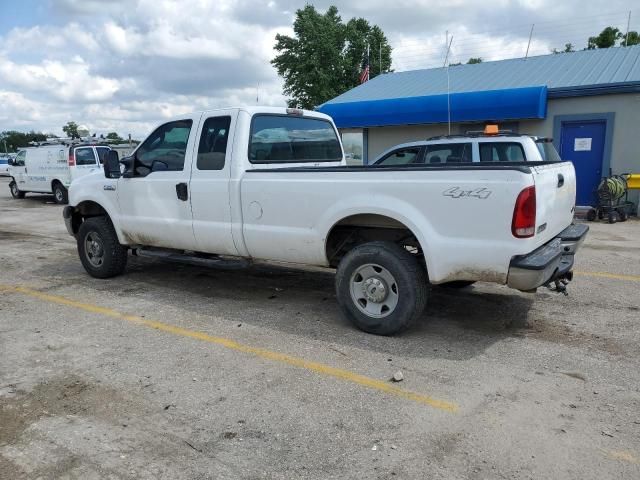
[272,184]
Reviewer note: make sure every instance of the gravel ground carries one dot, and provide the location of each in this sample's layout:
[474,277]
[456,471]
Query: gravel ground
[175,371]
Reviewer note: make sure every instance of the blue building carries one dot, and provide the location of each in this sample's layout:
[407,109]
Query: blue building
[587,101]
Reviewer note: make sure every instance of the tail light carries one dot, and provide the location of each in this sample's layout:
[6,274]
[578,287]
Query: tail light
[524,214]
[72,160]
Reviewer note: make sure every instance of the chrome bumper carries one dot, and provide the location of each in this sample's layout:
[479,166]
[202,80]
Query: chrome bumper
[553,261]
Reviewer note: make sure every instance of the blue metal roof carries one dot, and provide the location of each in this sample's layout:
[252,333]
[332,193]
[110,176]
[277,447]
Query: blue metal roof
[587,72]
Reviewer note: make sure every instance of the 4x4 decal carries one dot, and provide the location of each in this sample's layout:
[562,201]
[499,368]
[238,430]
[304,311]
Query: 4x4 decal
[457,192]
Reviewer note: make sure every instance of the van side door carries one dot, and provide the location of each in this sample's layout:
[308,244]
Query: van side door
[153,194]
[210,184]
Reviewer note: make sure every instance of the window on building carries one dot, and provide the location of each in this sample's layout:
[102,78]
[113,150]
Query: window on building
[501,152]
[353,144]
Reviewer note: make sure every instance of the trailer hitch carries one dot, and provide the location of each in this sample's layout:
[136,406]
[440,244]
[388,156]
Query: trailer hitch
[559,283]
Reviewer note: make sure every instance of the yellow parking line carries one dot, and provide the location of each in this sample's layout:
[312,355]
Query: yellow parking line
[615,276]
[622,455]
[316,367]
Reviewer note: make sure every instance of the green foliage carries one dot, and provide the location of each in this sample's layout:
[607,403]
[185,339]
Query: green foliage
[15,140]
[474,60]
[325,56]
[71,130]
[568,47]
[606,39]
[113,136]
[633,39]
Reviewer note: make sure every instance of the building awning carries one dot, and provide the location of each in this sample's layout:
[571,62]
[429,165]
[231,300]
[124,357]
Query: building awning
[498,105]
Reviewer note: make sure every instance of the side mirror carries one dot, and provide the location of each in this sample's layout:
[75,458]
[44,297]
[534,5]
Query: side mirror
[111,164]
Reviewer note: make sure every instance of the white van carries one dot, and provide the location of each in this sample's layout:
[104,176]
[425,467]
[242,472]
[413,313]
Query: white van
[52,168]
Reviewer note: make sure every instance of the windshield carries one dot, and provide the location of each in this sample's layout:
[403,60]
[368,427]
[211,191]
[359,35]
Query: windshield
[547,150]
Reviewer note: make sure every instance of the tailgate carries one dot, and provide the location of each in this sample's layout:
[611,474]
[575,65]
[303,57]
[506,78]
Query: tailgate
[555,198]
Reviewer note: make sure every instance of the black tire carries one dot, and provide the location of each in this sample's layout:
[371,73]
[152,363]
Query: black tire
[457,284]
[409,279]
[60,194]
[612,217]
[622,215]
[600,214]
[591,215]
[97,240]
[15,191]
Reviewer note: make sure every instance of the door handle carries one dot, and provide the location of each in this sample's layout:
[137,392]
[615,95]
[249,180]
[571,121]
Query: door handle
[560,180]
[182,192]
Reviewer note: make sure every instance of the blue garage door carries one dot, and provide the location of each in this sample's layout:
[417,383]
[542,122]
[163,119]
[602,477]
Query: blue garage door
[583,144]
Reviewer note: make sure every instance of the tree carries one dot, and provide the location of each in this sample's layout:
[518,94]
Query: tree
[14,139]
[325,56]
[114,137]
[71,129]
[606,39]
[474,60]
[568,47]
[631,39]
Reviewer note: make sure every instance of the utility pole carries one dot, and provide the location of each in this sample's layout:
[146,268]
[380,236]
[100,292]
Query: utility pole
[381,55]
[626,37]
[529,44]
[446,64]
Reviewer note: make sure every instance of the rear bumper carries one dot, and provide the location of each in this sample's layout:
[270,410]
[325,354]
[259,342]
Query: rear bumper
[552,261]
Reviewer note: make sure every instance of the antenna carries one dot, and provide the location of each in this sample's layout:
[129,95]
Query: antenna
[626,37]
[257,94]
[529,44]
[446,64]
[381,51]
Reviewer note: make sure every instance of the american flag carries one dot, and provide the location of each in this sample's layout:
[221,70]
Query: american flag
[364,75]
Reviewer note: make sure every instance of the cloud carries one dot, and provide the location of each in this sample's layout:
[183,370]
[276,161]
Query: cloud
[125,65]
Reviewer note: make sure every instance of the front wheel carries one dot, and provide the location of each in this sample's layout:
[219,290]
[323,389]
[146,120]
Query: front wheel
[100,252]
[15,191]
[381,288]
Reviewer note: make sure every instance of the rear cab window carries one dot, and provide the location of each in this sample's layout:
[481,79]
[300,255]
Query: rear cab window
[547,151]
[85,156]
[278,138]
[501,152]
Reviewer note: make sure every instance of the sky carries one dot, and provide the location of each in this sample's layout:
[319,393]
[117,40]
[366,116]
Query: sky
[126,65]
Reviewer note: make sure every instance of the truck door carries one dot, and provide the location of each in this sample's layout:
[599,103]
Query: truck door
[210,176]
[153,195]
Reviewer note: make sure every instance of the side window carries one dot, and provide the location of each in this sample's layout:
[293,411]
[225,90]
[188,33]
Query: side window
[165,149]
[20,158]
[213,143]
[85,156]
[501,152]
[405,156]
[448,153]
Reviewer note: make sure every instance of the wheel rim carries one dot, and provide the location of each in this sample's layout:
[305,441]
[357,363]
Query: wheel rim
[14,189]
[374,290]
[94,249]
[58,194]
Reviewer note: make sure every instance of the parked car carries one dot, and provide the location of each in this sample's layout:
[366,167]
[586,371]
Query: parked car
[271,184]
[4,166]
[479,147]
[51,168]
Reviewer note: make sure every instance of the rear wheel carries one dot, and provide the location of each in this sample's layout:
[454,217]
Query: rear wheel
[15,191]
[612,217]
[100,252]
[381,288]
[60,194]
[591,215]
